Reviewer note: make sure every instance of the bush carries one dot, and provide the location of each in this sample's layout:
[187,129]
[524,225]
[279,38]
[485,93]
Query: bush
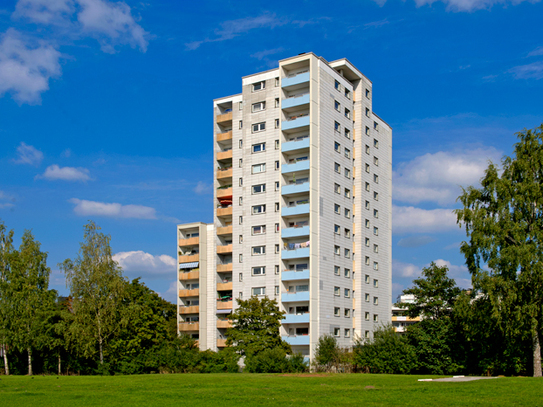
[327,354]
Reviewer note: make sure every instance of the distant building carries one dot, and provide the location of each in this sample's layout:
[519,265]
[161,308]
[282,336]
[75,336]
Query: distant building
[400,320]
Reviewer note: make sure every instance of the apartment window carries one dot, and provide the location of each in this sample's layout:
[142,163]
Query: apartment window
[337,291]
[347,93]
[347,253]
[337,250]
[367,260]
[276,123]
[337,209]
[347,153]
[367,242]
[276,82]
[375,160]
[276,102]
[348,133]
[367,281]
[277,144]
[240,258]
[240,220]
[240,162]
[375,213]
[277,228]
[376,283]
[257,107]
[337,270]
[258,290]
[259,127]
[376,196]
[337,189]
[347,273]
[376,248]
[277,207]
[376,231]
[368,168]
[257,148]
[367,149]
[367,297]
[375,266]
[347,193]
[240,277]
[259,209]
[337,311]
[347,313]
[258,250]
[376,126]
[367,316]
[276,290]
[241,124]
[337,168]
[367,186]
[240,105]
[337,85]
[337,106]
[277,185]
[241,182]
[347,113]
[258,189]
[376,178]
[259,86]
[258,168]
[347,233]
[367,112]
[276,165]
[259,271]
[258,230]
[347,213]
[368,93]
[337,229]
[367,128]
[367,223]
[347,173]
[337,126]
[240,239]
[276,248]
[240,200]
[367,334]
[375,143]
[240,295]
[337,147]
[277,269]
[375,318]
[367,205]
[375,301]
[337,332]
[347,293]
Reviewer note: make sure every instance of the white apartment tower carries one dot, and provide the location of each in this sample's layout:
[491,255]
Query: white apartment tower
[303,187]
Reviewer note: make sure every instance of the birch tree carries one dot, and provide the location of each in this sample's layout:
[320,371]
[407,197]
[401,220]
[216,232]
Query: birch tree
[6,251]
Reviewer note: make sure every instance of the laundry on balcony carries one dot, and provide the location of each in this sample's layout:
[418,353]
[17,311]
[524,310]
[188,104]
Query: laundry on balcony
[295,246]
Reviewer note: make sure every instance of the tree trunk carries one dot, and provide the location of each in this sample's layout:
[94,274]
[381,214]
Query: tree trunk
[59,371]
[29,361]
[6,365]
[537,354]
[101,351]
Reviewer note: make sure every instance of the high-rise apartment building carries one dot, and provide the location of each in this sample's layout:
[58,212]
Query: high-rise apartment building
[303,186]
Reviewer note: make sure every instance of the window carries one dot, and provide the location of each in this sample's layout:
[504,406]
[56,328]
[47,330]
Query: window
[368,93]
[337,332]
[258,230]
[347,233]
[367,280]
[337,209]
[368,186]
[258,189]
[337,189]
[257,250]
[276,82]
[375,143]
[337,250]
[277,144]
[337,311]
[276,165]
[376,231]
[337,291]
[376,248]
[347,93]
[241,125]
[337,229]
[347,293]
[367,316]
[376,283]
[277,207]
[367,333]
[376,126]
[277,185]
[259,271]
[348,133]
[240,295]
[367,242]
[277,269]
[347,193]
[258,148]
[259,209]
[376,178]
[367,128]
[375,301]
[337,126]
[276,290]
[276,123]
[368,168]
[276,248]
[241,258]
[347,333]
[336,85]
[347,113]
[347,153]
[259,86]
[367,260]
[367,149]
[375,213]
[375,160]
[337,168]
[277,228]
[240,200]
[241,182]
[347,253]
[337,106]
[367,205]
[367,297]
[257,168]
[376,196]
[347,313]
[347,173]
[337,147]
[375,318]
[257,107]
[258,290]
[240,161]
[259,127]
[240,105]
[347,213]
[337,270]
[240,220]
[375,266]
[367,223]
[347,273]
[240,277]
[367,112]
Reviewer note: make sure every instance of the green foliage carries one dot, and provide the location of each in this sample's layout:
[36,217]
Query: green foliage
[255,327]
[387,352]
[275,360]
[327,353]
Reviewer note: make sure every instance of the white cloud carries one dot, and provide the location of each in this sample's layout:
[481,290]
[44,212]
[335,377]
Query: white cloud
[437,177]
[28,155]
[171,294]
[401,269]
[25,68]
[141,264]
[114,210]
[66,153]
[529,71]
[408,219]
[45,11]
[263,54]
[54,172]
[459,273]
[465,5]
[535,52]
[6,197]
[202,188]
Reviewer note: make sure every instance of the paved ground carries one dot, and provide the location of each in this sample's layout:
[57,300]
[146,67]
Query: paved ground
[457,379]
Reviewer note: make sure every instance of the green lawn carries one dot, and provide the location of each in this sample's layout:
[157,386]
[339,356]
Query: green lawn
[264,390]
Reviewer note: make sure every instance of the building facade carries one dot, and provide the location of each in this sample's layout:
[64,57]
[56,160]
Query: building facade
[303,186]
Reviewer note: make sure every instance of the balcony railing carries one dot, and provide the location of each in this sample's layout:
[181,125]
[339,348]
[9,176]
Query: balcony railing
[221,343]
[293,275]
[224,211]
[296,79]
[191,309]
[224,173]
[224,304]
[222,268]
[189,293]
[224,155]
[191,275]
[296,339]
[222,249]
[189,258]
[191,241]
[223,118]
[225,230]
[189,326]
[224,192]
[301,318]
[295,231]
[224,323]
[224,286]
[227,135]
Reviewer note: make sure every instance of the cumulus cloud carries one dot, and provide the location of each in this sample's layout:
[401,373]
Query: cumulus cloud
[465,5]
[437,177]
[141,264]
[415,241]
[529,71]
[202,188]
[45,11]
[54,172]
[408,219]
[459,273]
[25,68]
[28,155]
[401,269]
[114,210]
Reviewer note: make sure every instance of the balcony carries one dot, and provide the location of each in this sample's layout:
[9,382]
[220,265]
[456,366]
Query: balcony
[295,101]
[191,241]
[221,343]
[295,254]
[222,323]
[227,135]
[291,275]
[296,319]
[191,275]
[298,166]
[189,293]
[189,326]
[295,232]
[223,268]
[224,155]
[295,145]
[224,304]
[295,188]
[224,211]
[226,230]
[224,193]
[193,309]
[295,80]
[226,286]
[189,258]
[297,340]
[224,118]
[295,122]
[223,174]
[224,249]
[295,297]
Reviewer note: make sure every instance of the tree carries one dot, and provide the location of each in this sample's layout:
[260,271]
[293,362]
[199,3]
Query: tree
[255,326]
[327,353]
[98,289]
[434,293]
[504,253]
[6,252]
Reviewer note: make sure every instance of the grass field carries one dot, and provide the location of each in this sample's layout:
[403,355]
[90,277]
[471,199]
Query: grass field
[264,390]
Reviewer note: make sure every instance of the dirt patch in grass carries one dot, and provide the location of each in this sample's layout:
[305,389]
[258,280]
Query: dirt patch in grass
[306,374]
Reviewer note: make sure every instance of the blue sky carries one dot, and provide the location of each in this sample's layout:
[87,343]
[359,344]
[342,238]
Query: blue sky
[106,111]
